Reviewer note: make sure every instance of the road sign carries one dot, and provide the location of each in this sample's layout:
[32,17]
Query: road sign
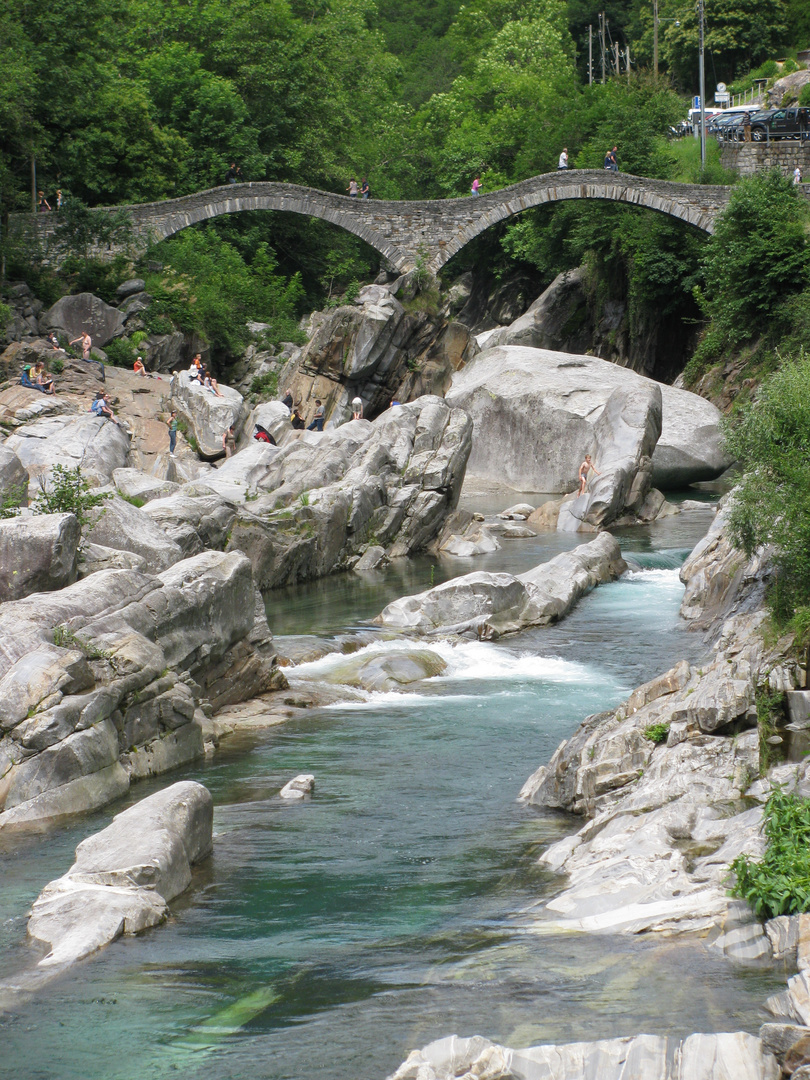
[722,97]
[721,88]
[696,101]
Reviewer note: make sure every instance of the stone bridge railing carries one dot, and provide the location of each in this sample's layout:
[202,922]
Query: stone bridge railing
[429,230]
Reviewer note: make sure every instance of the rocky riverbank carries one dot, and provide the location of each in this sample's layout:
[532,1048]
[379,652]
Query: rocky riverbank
[671,785]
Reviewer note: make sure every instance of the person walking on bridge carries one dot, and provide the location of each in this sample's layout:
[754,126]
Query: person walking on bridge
[476,186]
[364,189]
[352,188]
[563,162]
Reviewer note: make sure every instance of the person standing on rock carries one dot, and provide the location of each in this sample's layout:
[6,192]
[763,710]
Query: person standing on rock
[87,344]
[357,409]
[586,467]
[229,442]
[317,419]
[563,162]
[172,431]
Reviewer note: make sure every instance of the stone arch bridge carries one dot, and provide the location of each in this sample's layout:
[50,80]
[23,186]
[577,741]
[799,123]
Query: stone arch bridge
[429,230]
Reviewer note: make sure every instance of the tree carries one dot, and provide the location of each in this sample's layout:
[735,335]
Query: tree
[770,438]
[757,257]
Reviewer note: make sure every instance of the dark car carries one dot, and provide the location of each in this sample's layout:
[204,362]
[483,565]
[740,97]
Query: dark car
[757,117]
[778,124]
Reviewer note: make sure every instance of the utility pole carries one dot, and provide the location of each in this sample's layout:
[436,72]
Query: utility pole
[602,42]
[702,80]
[627,61]
[616,54]
[655,37]
[33,184]
[590,55]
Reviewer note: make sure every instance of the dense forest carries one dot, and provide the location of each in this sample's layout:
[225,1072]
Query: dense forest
[132,100]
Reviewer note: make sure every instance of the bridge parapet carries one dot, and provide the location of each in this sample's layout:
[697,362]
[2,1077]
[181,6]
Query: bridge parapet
[403,232]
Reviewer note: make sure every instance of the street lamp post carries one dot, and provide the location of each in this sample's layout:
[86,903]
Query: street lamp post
[655,37]
[702,80]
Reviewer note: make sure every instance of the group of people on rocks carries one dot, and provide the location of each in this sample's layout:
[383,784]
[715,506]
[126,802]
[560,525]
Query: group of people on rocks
[203,377]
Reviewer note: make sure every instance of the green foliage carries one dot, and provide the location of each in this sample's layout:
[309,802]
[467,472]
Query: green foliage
[120,352]
[65,638]
[804,96]
[80,231]
[779,883]
[69,493]
[207,287]
[265,386]
[769,437]
[656,733]
[769,710]
[12,500]
[133,500]
[57,365]
[758,255]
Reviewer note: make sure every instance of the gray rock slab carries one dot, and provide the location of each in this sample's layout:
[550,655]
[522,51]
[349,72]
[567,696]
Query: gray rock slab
[37,554]
[124,876]
[141,485]
[119,524]
[207,415]
[487,602]
[13,476]
[75,314]
[97,445]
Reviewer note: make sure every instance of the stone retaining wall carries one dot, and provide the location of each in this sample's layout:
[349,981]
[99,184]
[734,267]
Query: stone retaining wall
[784,154]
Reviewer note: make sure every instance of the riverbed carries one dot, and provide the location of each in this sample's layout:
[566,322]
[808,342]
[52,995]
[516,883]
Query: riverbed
[327,938]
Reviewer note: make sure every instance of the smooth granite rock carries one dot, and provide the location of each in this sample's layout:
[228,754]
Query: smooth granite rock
[95,444]
[124,876]
[534,413]
[492,604]
[83,311]
[207,415]
[37,554]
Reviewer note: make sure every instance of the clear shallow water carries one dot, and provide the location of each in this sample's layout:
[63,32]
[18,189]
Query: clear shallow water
[327,938]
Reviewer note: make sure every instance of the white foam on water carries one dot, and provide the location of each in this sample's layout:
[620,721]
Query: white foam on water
[466,660]
[658,575]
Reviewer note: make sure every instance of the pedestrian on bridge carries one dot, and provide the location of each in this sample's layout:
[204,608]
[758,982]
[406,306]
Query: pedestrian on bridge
[352,188]
[476,186]
[563,162]
[234,174]
[364,190]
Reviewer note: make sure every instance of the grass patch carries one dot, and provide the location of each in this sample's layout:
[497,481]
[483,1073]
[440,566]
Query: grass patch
[656,733]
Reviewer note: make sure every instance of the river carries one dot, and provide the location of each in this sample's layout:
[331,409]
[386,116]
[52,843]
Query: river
[325,939]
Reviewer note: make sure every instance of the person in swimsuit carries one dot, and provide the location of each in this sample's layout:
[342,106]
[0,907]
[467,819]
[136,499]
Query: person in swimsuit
[229,442]
[586,467]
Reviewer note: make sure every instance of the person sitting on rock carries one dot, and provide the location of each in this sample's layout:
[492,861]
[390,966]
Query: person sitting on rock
[138,367]
[27,377]
[287,399]
[210,383]
[43,380]
[318,417]
[195,374]
[101,407]
[296,418]
[53,341]
[586,467]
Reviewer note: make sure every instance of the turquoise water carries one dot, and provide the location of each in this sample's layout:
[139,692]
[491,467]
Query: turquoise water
[327,938]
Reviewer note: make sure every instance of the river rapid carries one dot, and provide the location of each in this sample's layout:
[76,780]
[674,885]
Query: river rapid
[325,939]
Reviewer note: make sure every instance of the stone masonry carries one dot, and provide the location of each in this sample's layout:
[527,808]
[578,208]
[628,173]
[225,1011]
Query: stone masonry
[431,231]
[785,155]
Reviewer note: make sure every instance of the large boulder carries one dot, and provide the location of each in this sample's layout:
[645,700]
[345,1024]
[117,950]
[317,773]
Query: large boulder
[353,342]
[492,604]
[554,321]
[101,682]
[13,477]
[118,524]
[274,416]
[73,314]
[97,445]
[625,435]
[534,414]
[124,876]
[37,554]
[143,486]
[207,415]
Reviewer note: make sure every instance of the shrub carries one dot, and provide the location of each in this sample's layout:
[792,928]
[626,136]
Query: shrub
[265,385]
[769,437]
[656,733]
[11,502]
[804,96]
[757,257]
[57,365]
[779,884]
[69,494]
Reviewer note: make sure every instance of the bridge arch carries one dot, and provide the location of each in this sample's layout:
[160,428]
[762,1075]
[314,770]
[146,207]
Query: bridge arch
[433,230]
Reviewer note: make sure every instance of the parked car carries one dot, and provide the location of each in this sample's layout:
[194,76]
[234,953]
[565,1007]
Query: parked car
[757,117]
[777,124]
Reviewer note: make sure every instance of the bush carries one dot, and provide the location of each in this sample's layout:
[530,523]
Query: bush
[265,385]
[120,352]
[11,502]
[656,733]
[757,257]
[69,494]
[804,96]
[769,437]
[57,365]
[779,884]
